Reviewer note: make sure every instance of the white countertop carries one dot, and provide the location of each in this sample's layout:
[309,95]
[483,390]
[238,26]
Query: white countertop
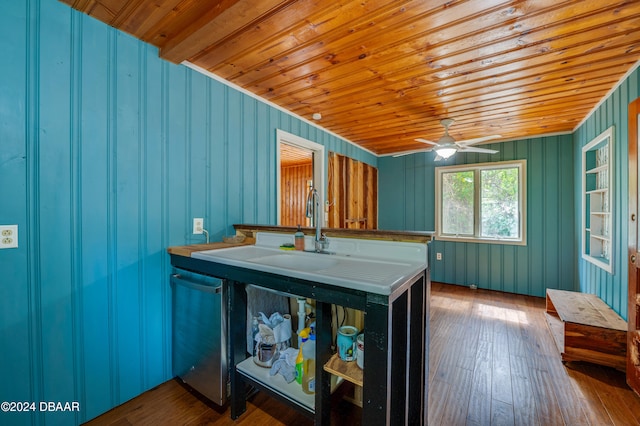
[369,265]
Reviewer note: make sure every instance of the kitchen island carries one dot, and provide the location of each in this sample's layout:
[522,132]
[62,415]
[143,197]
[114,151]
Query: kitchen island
[395,385]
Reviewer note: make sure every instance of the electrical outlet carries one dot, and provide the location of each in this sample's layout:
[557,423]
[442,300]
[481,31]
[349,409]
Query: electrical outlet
[8,236]
[198,225]
[438,256]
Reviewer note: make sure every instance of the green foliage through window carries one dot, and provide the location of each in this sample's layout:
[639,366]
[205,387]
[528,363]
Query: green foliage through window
[457,203]
[482,201]
[499,199]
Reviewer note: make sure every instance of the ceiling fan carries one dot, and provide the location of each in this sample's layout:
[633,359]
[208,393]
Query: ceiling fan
[447,146]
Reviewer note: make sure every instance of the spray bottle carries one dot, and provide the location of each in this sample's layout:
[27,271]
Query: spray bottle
[304,335]
[309,365]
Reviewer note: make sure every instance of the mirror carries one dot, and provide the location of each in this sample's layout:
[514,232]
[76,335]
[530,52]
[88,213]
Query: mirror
[300,165]
[296,179]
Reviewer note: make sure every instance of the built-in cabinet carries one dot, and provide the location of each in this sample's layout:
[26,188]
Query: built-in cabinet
[597,202]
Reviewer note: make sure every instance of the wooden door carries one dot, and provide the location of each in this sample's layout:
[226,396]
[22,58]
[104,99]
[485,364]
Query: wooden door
[633,335]
[294,182]
[353,193]
[296,177]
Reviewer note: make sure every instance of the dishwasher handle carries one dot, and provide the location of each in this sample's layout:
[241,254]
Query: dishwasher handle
[179,280]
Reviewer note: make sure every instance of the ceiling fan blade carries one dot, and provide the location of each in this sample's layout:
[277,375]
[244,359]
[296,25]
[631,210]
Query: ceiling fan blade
[474,149]
[415,151]
[478,140]
[426,141]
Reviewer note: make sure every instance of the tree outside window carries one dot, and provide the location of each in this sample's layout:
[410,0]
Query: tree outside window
[481,202]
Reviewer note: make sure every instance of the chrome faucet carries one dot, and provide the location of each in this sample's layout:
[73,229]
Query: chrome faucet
[313,212]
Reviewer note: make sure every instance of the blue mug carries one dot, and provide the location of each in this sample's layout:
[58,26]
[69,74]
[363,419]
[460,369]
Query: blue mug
[347,342]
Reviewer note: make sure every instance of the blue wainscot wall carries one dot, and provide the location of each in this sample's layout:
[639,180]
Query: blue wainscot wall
[106,155]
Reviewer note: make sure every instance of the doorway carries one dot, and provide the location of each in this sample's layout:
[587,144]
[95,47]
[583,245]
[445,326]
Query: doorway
[300,168]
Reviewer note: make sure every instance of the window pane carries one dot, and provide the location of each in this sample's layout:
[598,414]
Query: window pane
[457,203]
[499,203]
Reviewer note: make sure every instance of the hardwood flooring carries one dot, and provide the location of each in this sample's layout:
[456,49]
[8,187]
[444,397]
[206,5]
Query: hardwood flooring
[492,362]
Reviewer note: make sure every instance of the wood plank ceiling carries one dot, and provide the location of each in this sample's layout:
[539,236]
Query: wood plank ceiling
[384,72]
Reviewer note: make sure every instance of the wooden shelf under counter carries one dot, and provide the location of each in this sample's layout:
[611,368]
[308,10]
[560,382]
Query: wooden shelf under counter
[347,370]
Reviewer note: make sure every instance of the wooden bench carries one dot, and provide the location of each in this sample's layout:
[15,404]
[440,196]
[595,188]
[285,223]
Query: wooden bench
[586,329]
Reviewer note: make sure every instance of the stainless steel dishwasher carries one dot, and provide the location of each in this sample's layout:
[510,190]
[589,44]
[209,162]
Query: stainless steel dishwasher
[199,334]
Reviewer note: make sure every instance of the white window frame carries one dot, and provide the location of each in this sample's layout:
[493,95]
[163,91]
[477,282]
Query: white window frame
[476,238]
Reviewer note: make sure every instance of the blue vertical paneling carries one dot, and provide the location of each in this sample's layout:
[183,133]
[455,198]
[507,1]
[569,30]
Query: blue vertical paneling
[509,267]
[236,166]
[196,114]
[408,208]
[217,221]
[107,154]
[391,195]
[265,161]
[407,194]
[535,220]
[55,212]
[249,161]
[419,180]
[612,288]
[155,300]
[125,181]
[17,313]
[177,154]
[551,213]
[93,195]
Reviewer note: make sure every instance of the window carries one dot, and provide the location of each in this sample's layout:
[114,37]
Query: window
[482,202]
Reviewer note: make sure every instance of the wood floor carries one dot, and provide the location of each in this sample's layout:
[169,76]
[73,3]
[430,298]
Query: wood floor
[492,362]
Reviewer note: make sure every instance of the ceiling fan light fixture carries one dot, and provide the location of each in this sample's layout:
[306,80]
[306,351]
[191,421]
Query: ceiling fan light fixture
[446,151]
